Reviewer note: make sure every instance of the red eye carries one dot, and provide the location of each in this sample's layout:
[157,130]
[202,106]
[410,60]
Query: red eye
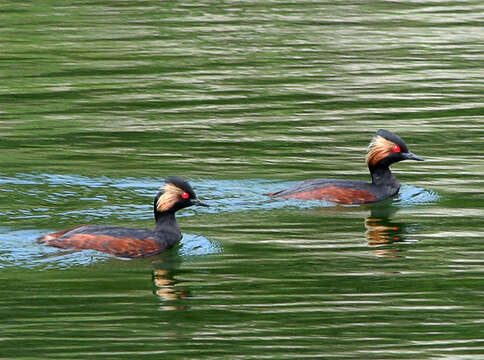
[396,148]
[185,195]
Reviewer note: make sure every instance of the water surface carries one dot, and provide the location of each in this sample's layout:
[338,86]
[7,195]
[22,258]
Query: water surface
[100,102]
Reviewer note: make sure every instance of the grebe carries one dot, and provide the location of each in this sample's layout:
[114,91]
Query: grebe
[132,242]
[385,149]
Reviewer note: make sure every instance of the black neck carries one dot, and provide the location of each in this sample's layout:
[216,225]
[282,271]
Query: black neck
[167,229]
[382,176]
[165,220]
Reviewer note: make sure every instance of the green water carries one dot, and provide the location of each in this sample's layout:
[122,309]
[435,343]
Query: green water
[99,101]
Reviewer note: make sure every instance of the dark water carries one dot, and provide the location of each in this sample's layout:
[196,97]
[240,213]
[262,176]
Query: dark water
[100,101]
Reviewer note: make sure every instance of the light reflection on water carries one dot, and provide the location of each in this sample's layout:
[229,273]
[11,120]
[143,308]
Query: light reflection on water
[20,249]
[224,195]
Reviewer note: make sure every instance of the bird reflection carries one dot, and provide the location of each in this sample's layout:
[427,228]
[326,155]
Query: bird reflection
[381,230]
[167,288]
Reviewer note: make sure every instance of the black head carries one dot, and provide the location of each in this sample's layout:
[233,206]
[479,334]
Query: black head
[386,148]
[176,194]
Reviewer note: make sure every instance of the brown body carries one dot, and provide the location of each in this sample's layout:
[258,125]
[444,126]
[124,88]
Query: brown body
[335,194]
[92,237]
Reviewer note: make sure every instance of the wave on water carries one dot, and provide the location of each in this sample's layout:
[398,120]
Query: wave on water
[410,195]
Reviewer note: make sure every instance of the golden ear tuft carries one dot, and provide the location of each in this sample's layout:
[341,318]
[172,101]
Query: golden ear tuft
[171,195]
[171,188]
[378,149]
